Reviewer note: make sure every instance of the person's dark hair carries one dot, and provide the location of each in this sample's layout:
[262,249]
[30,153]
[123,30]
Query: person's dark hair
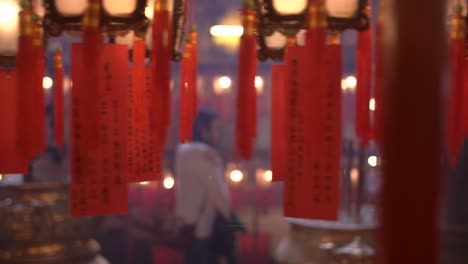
[202,122]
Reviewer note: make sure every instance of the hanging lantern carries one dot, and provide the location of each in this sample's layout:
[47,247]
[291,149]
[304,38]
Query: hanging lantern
[117,16]
[280,19]
[9,31]
[177,9]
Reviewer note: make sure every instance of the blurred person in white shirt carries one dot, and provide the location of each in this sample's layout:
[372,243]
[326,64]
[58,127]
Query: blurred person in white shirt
[202,196]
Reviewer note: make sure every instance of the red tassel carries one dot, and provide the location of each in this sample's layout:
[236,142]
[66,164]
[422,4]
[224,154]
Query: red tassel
[246,118]
[465,98]
[24,85]
[364,79]
[58,100]
[193,80]
[455,118]
[161,64]
[279,110]
[92,61]
[37,101]
[377,131]
[185,83]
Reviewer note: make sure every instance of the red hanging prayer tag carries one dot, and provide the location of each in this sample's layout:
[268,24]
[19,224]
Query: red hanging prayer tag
[59,125]
[92,45]
[314,54]
[11,160]
[246,117]
[310,190]
[455,118]
[113,126]
[98,183]
[82,167]
[279,113]
[364,80]
[137,115]
[154,144]
[296,202]
[330,183]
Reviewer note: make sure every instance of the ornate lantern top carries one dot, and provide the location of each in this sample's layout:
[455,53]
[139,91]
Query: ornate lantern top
[283,19]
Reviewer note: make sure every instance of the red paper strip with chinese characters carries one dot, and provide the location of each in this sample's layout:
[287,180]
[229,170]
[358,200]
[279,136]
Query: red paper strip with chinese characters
[11,160]
[330,183]
[311,184]
[132,158]
[137,115]
[98,183]
[155,145]
[279,113]
[296,199]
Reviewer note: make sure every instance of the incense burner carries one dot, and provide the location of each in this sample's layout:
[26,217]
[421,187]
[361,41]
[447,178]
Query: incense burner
[35,227]
[324,242]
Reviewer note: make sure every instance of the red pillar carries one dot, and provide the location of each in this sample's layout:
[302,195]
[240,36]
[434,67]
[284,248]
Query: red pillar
[413,42]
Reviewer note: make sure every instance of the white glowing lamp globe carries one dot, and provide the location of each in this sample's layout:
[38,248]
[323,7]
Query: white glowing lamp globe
[126,39]
[115,8]
[342,8]
[222,85]
[289,7]
[351,82]
[119,8]
[236,176]
[224,82]
[169,182]
[47,83]
[9,27]
[372,104]
[372,161]
[226,31]
[276,40]
[268,175]
[259,84]
[71,8]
